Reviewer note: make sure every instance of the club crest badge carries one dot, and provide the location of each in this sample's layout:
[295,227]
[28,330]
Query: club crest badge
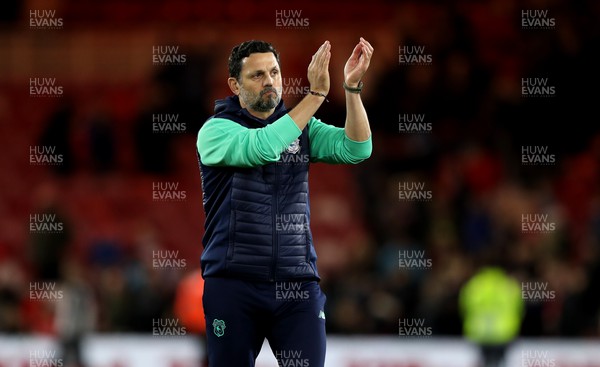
[294,147]
[219,327]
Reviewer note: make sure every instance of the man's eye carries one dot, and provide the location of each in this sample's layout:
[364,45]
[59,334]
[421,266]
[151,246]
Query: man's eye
[275,72]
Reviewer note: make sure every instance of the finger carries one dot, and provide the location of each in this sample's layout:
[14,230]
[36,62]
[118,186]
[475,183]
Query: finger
[315,56]
[326,48]
[323,47]
[367,44]
[312,63]
[364,60]
[324,62]
[319,56]
[319,50]
[367,49]
[366,52]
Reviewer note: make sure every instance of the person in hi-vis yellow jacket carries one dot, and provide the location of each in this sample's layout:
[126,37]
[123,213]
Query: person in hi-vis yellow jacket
[492,309]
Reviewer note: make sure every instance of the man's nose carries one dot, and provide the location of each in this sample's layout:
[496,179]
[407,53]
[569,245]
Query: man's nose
[268,80]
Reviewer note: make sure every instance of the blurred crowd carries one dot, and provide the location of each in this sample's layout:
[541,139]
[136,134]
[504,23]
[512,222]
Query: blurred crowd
[470,161]
[471,164]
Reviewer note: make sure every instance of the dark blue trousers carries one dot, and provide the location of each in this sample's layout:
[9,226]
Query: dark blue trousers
[241,314]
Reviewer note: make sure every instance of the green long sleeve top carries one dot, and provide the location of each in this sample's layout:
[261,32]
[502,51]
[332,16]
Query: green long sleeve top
[222,142]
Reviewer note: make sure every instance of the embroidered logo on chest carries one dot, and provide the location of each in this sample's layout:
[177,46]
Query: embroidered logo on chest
[294,147]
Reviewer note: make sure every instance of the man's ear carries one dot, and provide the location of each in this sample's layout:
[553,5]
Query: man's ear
[234,85]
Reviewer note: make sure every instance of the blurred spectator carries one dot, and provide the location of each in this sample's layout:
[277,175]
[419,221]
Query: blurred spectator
[188,302]
[492,309]
[76,313]
[50,237]
[112,299]
[102,142]
[153,149]
[12,290]
[175,91]
[57,135]
[188,308]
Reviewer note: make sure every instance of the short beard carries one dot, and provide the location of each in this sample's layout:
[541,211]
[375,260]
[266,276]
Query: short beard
[256,102]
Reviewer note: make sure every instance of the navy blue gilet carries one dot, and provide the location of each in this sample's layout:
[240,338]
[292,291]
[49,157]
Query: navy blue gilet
[257,219]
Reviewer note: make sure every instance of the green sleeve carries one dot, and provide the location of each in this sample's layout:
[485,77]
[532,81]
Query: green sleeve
[223,142]
[330,144]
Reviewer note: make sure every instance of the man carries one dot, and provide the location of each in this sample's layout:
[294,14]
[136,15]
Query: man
[259,262]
